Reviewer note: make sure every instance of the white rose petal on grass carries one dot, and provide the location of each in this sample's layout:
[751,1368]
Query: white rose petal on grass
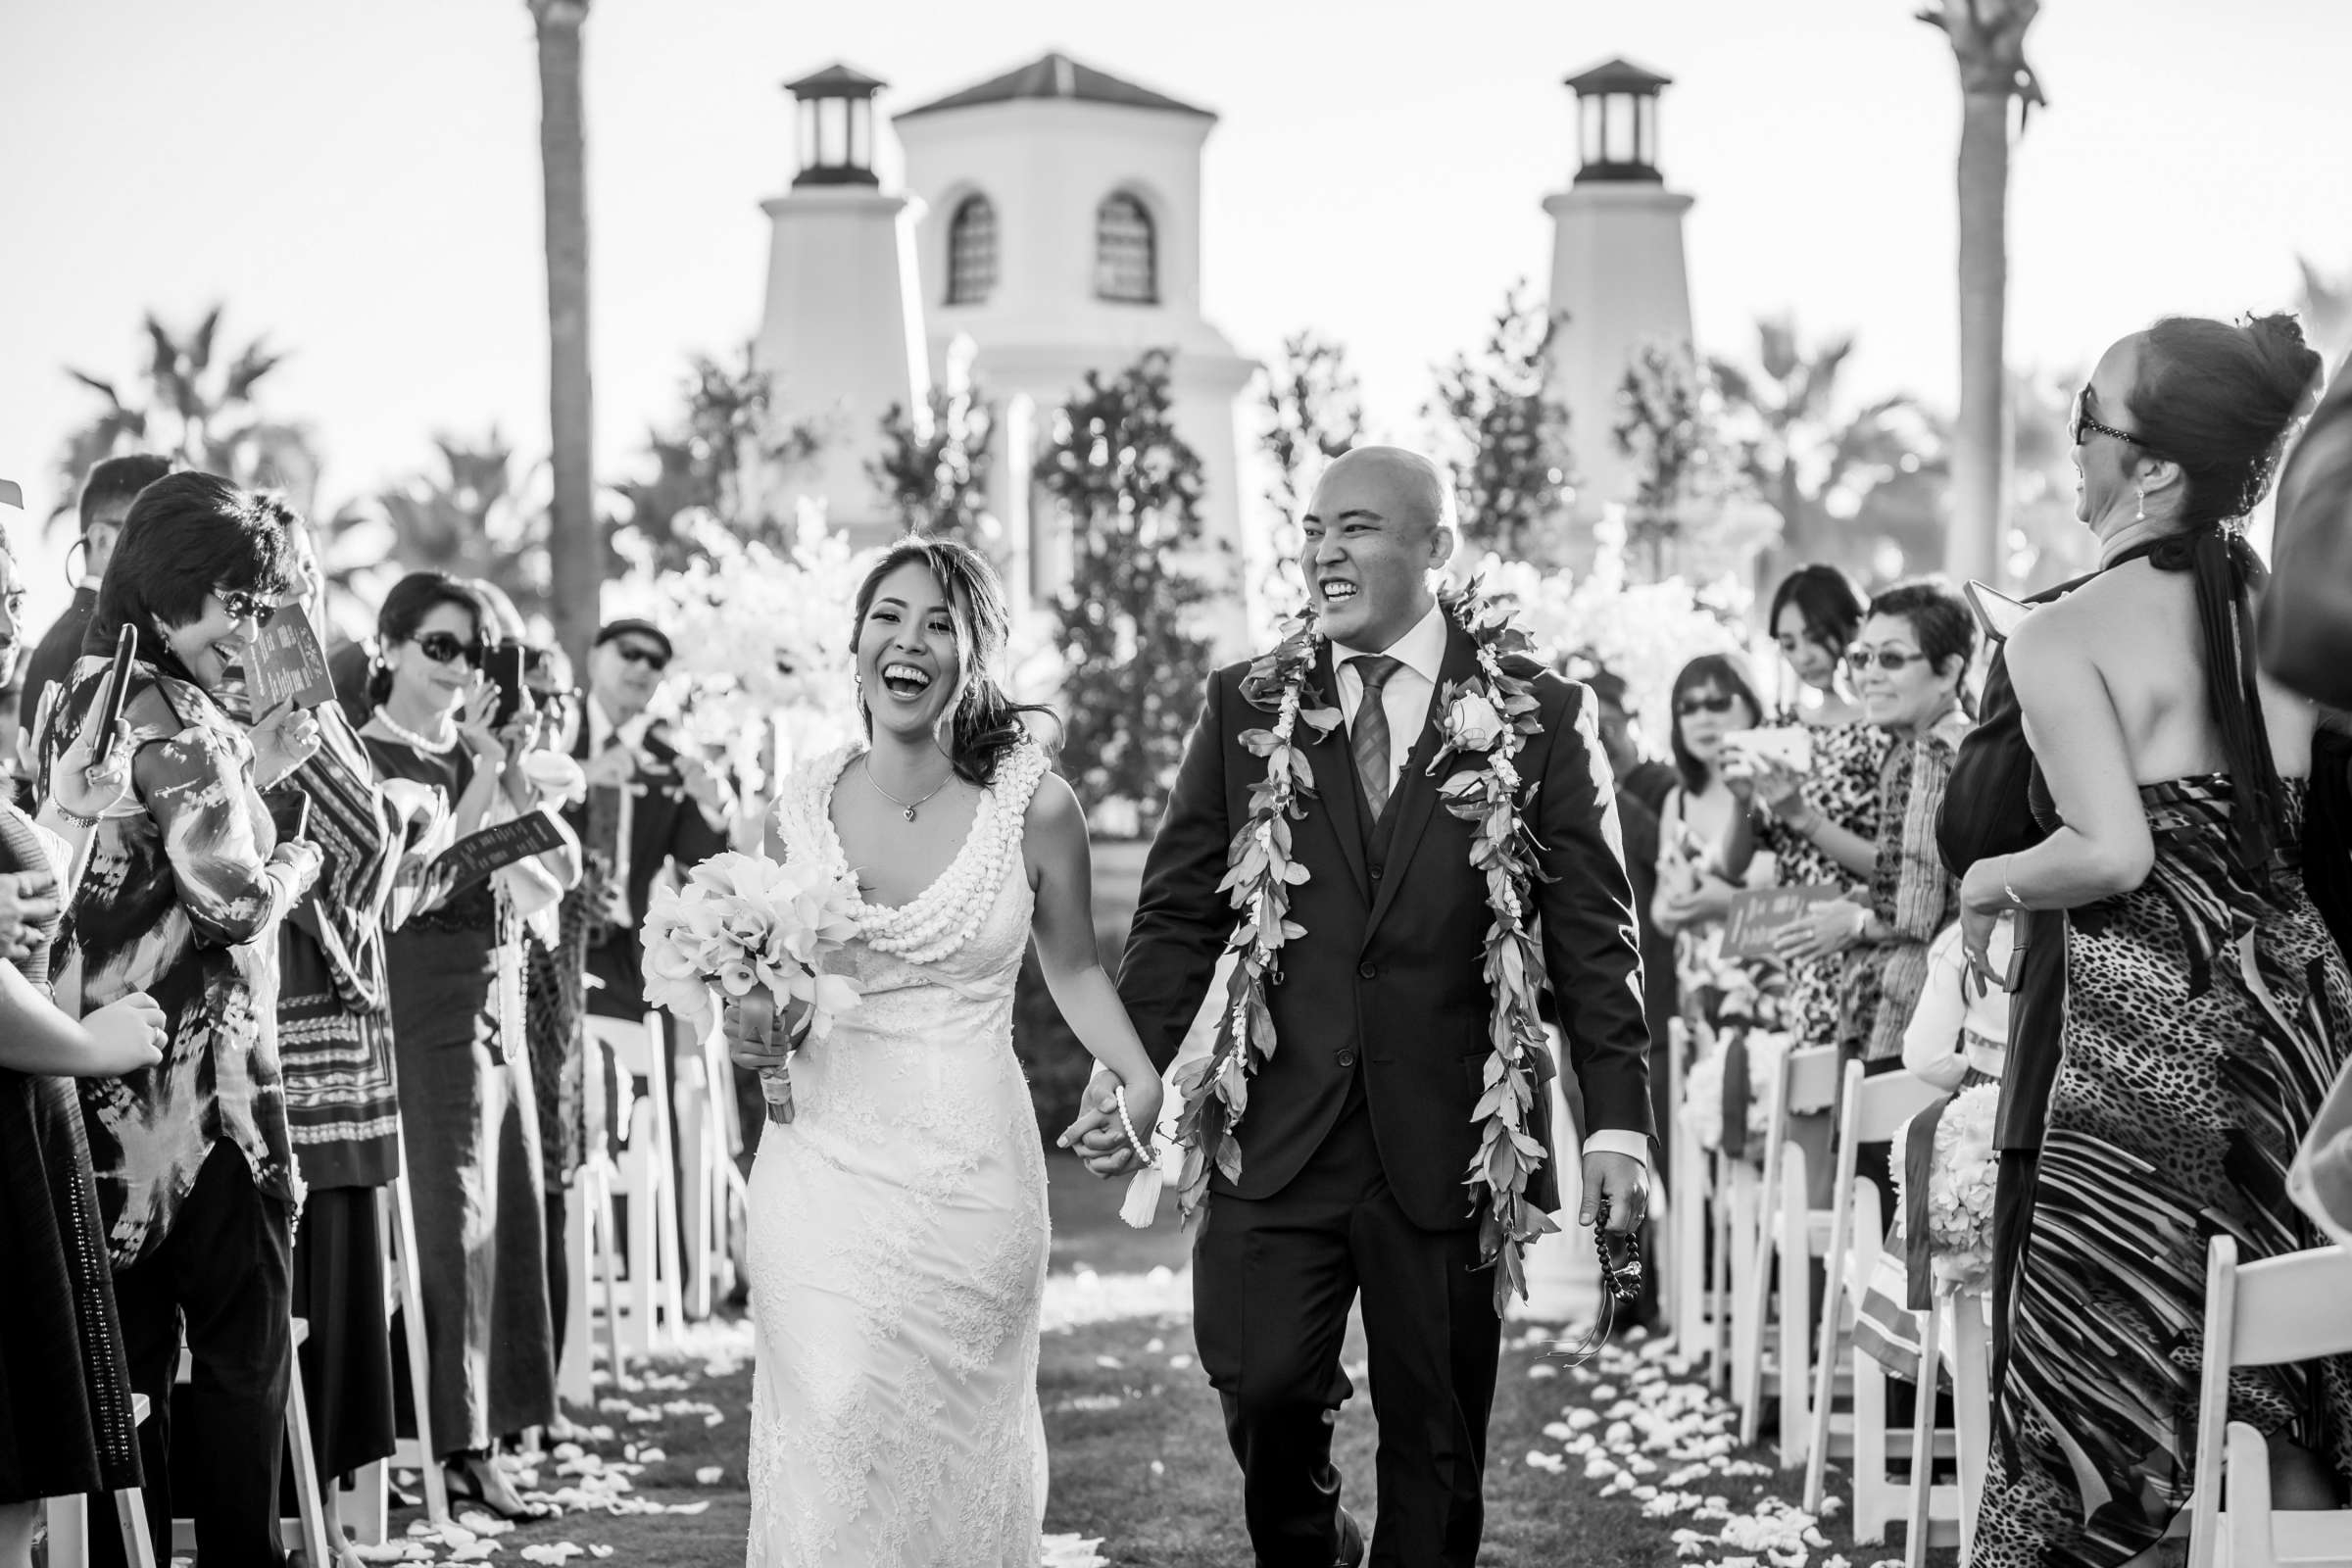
[709,1474]
[1541,1371]
[1108,1363]
[1179,1362]
[689,1507]
[651,1456]
[475,1551]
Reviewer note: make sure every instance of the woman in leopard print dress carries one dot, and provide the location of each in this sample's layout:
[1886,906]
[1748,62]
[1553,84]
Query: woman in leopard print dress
[2207,1006]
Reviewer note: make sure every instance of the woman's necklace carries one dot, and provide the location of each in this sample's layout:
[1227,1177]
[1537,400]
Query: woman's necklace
[409,737]
[907,808]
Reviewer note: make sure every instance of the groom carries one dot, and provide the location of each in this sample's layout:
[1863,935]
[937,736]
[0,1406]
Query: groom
[1359,1132]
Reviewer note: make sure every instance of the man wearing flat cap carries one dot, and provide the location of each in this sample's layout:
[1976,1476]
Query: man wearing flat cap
[677,808]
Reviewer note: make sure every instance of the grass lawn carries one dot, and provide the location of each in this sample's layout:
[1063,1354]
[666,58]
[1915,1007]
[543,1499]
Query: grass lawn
[1139,1452]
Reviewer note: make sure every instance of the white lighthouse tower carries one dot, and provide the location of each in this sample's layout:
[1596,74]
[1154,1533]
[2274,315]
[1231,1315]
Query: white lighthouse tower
[1062,235]
[1617,270]
[841,332]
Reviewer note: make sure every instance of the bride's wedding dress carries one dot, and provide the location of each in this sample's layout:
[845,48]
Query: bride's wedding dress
[899,1233]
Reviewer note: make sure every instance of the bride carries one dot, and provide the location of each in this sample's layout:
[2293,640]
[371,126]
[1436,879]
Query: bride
[897,1222]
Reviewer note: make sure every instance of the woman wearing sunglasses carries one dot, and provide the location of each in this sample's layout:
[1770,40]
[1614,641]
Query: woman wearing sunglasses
[2206,1007]
[197,1186]
[467,1115]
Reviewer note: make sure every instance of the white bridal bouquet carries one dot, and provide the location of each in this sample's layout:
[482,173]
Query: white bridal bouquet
[744,923]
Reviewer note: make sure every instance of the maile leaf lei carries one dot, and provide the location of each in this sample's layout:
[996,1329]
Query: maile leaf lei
[1490,716]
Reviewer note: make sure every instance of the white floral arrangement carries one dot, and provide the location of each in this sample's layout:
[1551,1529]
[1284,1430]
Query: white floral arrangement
[744,923]
[1701,1109]
[761,635]
[1961,1177]
[1642,632]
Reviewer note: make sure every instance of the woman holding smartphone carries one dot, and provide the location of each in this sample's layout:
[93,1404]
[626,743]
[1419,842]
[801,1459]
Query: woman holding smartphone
[466,1085]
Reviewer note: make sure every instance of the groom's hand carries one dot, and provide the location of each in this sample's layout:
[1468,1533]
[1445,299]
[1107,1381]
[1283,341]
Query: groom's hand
[1097,1136]
[1621,1179]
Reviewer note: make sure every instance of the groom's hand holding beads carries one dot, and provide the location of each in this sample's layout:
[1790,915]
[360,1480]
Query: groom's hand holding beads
[1097,1136]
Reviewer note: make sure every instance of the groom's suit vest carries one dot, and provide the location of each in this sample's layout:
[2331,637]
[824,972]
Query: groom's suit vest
[1387,987]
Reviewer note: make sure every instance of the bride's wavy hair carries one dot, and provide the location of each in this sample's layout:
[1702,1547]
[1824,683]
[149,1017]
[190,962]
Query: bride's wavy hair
[984,721]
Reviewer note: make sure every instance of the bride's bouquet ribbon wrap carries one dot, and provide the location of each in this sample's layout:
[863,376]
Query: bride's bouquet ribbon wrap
[748,928]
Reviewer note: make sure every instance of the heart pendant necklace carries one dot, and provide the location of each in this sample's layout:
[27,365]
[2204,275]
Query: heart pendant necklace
[907,808]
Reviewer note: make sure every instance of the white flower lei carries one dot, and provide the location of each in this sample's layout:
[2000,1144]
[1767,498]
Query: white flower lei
[1489,716]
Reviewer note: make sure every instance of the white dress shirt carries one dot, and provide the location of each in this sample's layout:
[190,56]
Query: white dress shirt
[1421,652]
[1405,697]
[603,732]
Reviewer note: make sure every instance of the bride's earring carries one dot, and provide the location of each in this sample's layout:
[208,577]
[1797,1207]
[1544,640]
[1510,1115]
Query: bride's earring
[2141,516]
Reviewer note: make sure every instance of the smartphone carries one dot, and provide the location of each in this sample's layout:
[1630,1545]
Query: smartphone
[118,691]
[290,809]
[505,665]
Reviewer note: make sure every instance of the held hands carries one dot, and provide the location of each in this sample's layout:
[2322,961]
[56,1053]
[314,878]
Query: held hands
[81,786]
[28,904]
[281,743]
[126,1036]
[1099,1137]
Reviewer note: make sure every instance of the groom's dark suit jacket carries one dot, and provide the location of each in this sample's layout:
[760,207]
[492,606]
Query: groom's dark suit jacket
[1389,981]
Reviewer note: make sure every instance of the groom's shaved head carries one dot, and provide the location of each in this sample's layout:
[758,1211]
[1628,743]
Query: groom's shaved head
[1419,496]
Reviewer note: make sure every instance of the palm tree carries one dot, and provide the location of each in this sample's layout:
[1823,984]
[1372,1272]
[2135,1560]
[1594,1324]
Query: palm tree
[199,412]
[1807,459]
[576,547]
[1988,42]
[469,519]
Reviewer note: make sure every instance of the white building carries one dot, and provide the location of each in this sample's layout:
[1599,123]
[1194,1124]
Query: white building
[1054,215]
[1617,270]
[841,332]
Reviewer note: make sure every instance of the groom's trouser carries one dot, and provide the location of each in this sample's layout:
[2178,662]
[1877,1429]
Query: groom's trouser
[1273,1280]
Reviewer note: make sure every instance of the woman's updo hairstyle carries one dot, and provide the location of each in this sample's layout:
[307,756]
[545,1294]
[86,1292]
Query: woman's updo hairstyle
[2220,401]
[411,599]
[985,722]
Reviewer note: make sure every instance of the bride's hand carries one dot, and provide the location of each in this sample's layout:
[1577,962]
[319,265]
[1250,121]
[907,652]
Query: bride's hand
[759,1035]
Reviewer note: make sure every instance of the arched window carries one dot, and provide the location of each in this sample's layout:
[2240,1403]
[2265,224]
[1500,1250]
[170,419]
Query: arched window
[1126,252]
[972,250]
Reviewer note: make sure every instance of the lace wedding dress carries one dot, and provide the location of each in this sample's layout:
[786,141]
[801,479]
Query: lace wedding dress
[899,1233]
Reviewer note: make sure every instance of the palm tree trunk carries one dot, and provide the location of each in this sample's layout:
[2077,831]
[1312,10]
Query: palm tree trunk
[573,547]
[1980,438]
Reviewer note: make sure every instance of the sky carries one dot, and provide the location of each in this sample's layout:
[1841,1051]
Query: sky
[360,184]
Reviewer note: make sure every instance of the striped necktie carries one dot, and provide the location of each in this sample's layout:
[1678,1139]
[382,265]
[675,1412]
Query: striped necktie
[1368,736]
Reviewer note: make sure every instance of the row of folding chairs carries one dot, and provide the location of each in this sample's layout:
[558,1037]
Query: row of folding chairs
[1744,1241]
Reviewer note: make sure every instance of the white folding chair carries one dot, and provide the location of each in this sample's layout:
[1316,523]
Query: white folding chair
[588,1235]
[2266,1313]
[372,1485]
[647,1181]
[307,1531]
[1689,1198]
[706,1127]
[1792,1235]
[1869,1112]
[1955,1334]
[69,1519]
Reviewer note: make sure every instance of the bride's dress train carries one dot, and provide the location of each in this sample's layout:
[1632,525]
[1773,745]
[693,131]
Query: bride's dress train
[898,1231]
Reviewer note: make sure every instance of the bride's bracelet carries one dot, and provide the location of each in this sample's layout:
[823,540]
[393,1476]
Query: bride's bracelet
[1143,1151]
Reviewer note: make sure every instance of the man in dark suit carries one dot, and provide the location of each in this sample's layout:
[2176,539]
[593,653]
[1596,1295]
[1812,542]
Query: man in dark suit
[1359,1127]
[106,492]
[678,807]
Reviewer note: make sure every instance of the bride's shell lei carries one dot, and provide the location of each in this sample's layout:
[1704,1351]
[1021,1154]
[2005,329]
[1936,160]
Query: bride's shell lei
[1489,716]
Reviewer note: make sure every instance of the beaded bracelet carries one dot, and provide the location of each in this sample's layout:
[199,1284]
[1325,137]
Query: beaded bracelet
[1143,1151]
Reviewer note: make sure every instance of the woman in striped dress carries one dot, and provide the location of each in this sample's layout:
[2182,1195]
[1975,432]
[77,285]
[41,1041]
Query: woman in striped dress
[2206,1008]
